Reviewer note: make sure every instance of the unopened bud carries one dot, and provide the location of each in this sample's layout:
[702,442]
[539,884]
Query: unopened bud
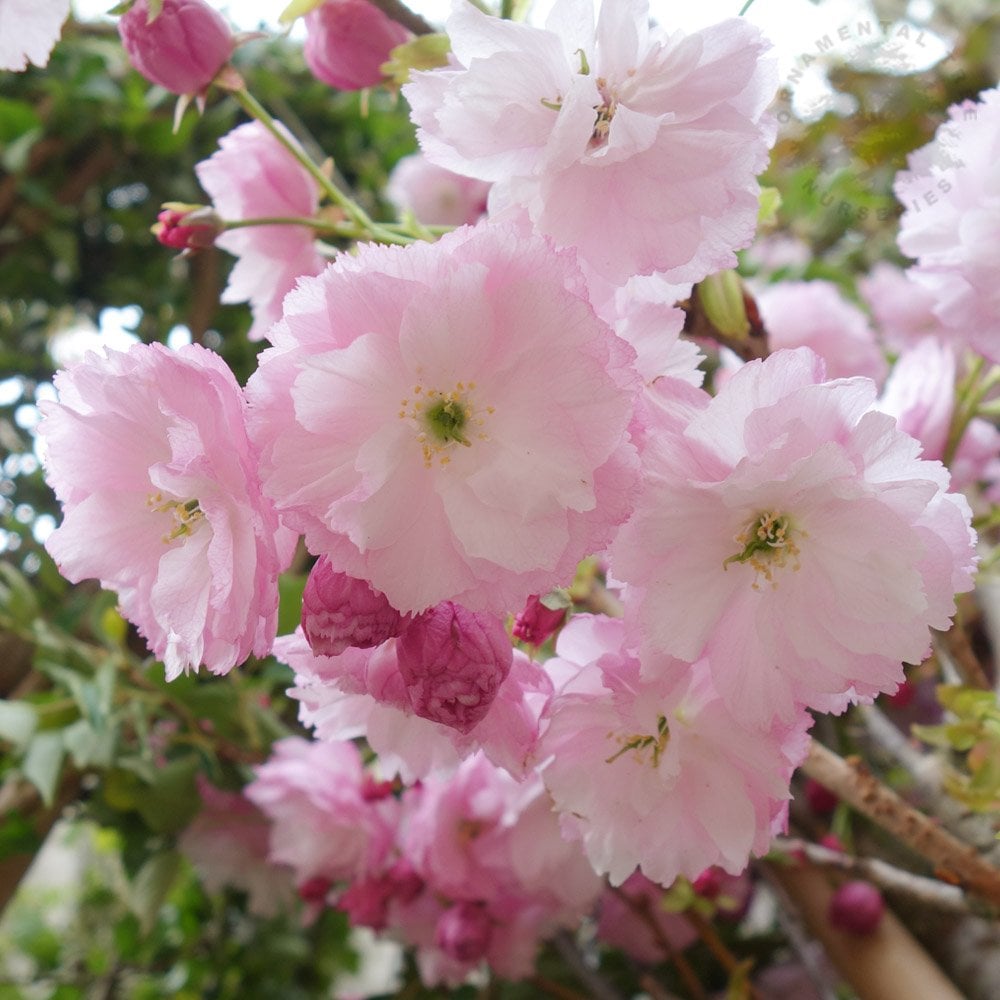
[347,42]
[453,662]
[536,622]
[856,907]
[186,227]
[721,296]
[339,611]
[181,48]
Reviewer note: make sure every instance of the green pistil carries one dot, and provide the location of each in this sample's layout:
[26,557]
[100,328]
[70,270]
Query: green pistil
[656,743]
[446,419]
[763,536]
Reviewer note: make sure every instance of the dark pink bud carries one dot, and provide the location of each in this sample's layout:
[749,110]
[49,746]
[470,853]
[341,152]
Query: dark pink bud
[821,800]
[314,890]
[832,843]
[182,49]
[187,228]
[537,622]
[339,611]
[904,695]
[453,661]
[856,907]
[464,931]
[407,884]
[374,791]
[709,883]
[366,902]
[347,42]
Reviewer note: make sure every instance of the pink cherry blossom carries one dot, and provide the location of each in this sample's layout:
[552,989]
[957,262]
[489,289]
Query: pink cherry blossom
[463,932]
[657,772]
[362,693]
[29,29]
[637,146]
[227,842]
[347,41]
[449,421]
[182,48]
[324,826]
[902,308]
[479,837]
[814,314]
[624,923]
[920,394]
[148,453]
[436,197]
[794,538]
[253,176]
[453,662]
[339,611]
[951,222]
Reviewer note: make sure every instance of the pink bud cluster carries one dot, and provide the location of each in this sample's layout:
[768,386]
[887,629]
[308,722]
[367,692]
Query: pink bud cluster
[466,868]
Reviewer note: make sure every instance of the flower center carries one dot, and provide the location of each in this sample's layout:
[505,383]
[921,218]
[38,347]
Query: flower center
[641,743]
[186,515]
[768,544]
[605,112]
[443,419]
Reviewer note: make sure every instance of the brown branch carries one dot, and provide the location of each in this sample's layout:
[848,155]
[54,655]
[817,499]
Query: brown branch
[717,947]
[21,796]
[954,644]
[955,861]
[640,907]
[403,15]
[929,891]
[885,965]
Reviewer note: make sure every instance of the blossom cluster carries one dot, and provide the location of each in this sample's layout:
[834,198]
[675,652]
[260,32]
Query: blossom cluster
[466,867]
[454,426]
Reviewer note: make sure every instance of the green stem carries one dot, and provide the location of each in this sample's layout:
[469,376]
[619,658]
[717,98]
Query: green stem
[355,212]
[971,394]
[280,220]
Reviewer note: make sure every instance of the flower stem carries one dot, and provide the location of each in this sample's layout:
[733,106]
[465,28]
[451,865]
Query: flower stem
[971,393]
[351,208]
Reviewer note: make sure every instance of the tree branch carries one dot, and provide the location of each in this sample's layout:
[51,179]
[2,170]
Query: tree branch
[956,861]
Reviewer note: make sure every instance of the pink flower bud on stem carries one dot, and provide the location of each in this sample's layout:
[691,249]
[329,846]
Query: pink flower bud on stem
[453,661]
[856,907]
[186,227]
[181,49]
[535,623]
[348,41]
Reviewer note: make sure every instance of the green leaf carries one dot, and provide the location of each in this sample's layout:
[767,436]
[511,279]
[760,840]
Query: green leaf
[172,800]
[17,836]
[17,597]
[423,52]
[290,588]
[297,9]
[770,202]
[89,747]
[16,118]
[151,885]
[42,763]
[18,722]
